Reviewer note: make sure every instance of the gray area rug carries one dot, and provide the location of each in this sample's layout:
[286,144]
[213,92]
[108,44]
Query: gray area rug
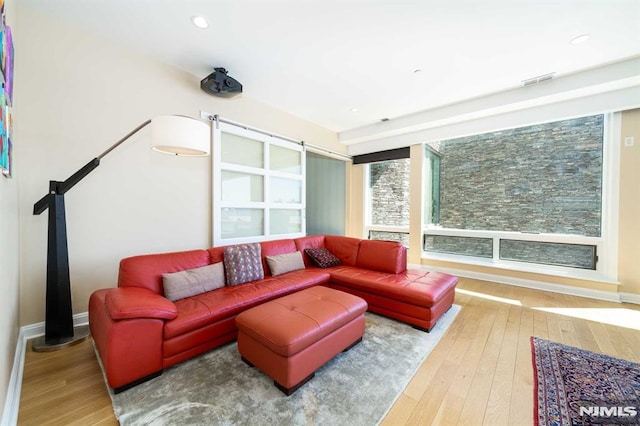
[357,387]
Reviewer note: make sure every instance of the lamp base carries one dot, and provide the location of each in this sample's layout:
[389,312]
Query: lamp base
[80,334]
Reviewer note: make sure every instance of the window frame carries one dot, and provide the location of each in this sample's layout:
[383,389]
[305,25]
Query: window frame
[368,225]
[266,205]
[606,244]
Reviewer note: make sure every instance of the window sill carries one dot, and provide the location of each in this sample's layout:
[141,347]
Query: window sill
[556,271]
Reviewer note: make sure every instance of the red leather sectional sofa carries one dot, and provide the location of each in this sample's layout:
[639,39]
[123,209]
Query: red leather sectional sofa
[138,332]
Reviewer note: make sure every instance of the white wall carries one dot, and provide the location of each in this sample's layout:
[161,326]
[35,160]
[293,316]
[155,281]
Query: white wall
[9,266]
[9,250]
[80,95]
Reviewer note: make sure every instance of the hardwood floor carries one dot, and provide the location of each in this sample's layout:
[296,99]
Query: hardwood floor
[479,374]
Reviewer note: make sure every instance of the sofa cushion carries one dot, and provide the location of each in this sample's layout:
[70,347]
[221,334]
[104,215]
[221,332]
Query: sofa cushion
[304,243]
[283,263]
[421,288]
[273,248]
[344,248]
[206,308]
[322,257]
[243,263]
[146,270]
[216,254]
[191,282]
[383,256]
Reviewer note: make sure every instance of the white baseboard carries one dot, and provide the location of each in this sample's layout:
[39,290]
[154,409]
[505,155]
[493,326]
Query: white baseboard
[37,329]
[12,402]
[630,298]
[609,296]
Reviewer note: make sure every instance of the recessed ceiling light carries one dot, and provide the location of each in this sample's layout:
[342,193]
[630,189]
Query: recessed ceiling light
[354,109]
[200,22]
[580,39]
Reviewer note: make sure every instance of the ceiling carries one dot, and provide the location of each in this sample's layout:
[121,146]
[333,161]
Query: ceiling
[345,64]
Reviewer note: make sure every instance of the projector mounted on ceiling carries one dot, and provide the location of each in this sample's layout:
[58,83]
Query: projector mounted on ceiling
[220,84]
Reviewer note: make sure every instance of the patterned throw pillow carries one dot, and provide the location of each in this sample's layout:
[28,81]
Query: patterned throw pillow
[242,263]
[191,282]
[322,257]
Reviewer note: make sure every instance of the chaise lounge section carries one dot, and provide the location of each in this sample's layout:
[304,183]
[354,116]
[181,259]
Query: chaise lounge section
[377,272]
[138,331]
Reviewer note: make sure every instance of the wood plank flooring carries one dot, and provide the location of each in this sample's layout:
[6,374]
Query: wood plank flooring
[479,374]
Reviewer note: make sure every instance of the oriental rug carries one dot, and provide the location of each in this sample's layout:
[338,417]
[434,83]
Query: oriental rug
[577,387]
[357,387]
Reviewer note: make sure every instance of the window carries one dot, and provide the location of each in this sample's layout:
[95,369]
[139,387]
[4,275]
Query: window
[258,186]
[431,185]
[388,200]
[326,195]
[529,198]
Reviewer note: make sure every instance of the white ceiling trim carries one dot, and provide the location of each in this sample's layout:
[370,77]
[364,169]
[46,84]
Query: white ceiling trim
[612,101]
[612,78]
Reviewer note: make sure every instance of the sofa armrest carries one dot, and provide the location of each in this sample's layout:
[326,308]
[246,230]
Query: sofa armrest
[136,302]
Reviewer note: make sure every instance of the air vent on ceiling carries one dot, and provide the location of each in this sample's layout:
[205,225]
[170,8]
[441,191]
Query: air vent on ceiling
[538,79]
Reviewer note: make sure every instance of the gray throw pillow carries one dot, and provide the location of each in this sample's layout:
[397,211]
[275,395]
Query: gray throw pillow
[192,282]
[283,263]
[243,263]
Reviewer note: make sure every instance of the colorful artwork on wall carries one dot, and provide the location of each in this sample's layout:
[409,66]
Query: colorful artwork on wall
[6,96]
[7,62]
[6,150]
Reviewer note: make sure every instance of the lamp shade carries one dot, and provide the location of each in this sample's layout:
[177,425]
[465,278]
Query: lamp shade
[180,135]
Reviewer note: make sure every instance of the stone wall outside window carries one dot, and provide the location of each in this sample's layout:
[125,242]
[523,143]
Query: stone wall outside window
[389,192]
[572,255]
[401,237]
[545,178]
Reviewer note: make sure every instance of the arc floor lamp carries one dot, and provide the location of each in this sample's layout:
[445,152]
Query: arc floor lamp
[171,134]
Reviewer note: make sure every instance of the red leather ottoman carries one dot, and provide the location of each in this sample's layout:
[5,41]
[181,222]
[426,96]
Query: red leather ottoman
[289,338]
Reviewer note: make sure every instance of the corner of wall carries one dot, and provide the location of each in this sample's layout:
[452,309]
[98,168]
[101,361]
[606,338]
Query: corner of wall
[356,205]
[629,211]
